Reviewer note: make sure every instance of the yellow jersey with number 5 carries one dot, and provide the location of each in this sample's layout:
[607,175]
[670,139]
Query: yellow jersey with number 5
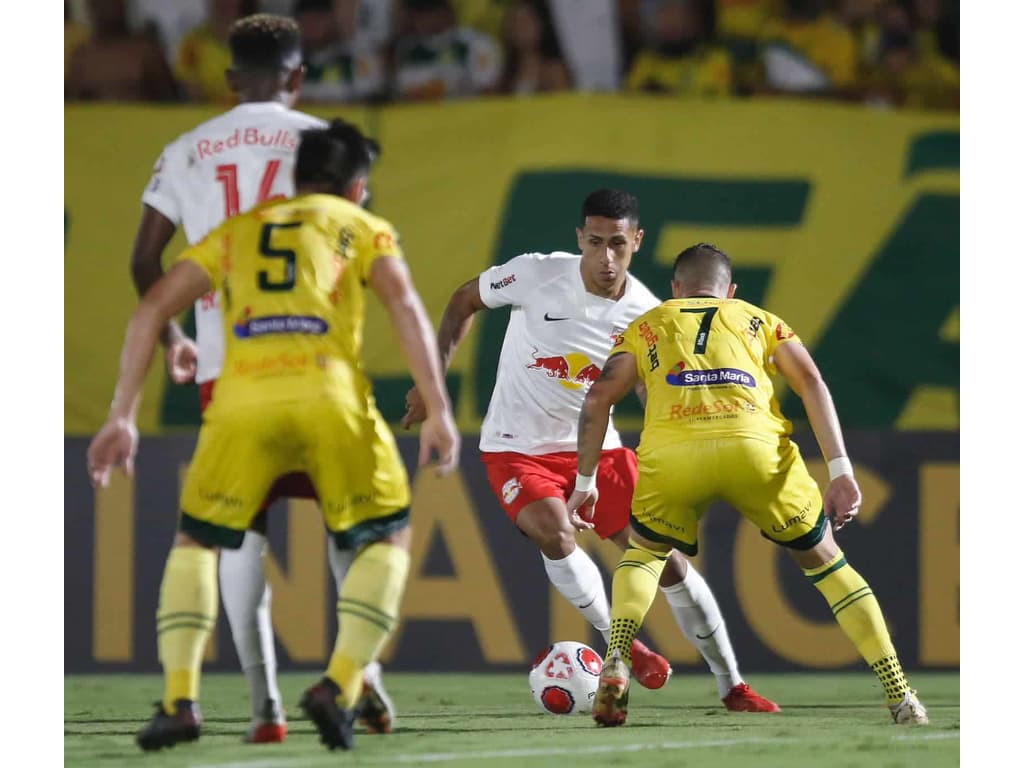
[707,366]
[293,276]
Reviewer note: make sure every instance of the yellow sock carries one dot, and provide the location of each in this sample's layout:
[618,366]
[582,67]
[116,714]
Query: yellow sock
[634,585]
[185,617]
[855,608]
[367,614]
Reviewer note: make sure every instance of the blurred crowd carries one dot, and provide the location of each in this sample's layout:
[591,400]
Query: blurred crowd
[896,53]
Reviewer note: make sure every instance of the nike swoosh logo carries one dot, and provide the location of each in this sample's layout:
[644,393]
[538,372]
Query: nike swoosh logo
[552,319]
[709,634]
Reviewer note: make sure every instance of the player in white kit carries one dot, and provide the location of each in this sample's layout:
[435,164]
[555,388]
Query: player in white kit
[567,310]
[219,169]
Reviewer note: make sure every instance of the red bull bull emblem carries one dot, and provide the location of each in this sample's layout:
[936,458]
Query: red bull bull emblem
[573,370]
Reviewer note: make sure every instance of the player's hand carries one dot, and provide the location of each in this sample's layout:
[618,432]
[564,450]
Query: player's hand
[440,437]
[842,500]
[115,445]
[415,409]
[182,355]
[581,506]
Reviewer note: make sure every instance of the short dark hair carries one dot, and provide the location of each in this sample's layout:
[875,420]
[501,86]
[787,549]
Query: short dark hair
[611,204]
[335,155]
[263,42]
[703,262]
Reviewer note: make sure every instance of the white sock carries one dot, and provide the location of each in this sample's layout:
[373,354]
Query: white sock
[578,579]
[246,596]
[697,614]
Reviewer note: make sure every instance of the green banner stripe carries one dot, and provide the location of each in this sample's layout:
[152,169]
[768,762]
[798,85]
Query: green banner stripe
[835,567]
[937,150]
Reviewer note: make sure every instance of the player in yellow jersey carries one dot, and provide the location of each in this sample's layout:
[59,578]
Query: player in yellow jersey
[292,397]
[713,430]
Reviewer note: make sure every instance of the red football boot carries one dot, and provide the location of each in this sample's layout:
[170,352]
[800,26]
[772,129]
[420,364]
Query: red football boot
[650,669]
[743,698]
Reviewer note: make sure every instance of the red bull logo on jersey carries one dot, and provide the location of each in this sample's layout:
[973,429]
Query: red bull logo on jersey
[280,139]
[248,327]
[713,377]
[573,370]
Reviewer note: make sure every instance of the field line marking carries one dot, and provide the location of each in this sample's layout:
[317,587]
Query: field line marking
[597,749]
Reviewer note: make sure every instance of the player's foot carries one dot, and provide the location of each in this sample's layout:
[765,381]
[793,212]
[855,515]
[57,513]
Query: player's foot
[743,698]
[375,709]
[320,703]
[270,727]
[910,711]
[165,730]
[650,669]
[611,702]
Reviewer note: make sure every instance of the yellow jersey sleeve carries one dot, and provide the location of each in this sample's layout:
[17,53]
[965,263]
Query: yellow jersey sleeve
[376,238]
[627,342]
[210,253]
[776,333]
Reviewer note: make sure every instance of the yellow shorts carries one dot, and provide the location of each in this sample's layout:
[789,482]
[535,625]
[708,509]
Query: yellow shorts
[767,482]
[350,456]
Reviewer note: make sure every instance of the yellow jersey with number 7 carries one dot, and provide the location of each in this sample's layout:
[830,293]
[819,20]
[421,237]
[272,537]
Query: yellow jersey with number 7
[707,366]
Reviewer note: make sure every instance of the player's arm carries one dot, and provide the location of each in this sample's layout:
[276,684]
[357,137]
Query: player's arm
[842,498]
[116,442]
[456,323]
[617,378]
[457,319]
[154,233]
[390,280]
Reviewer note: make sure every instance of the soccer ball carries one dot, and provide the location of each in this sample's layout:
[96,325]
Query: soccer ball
[564,676]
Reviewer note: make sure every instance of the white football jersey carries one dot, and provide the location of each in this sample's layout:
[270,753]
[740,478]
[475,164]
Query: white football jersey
[556,344]
[220,169]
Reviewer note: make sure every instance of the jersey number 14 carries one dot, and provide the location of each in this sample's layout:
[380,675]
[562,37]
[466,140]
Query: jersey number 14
[227,175]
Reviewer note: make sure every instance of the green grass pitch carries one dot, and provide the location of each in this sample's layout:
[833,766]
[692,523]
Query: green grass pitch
[834,720]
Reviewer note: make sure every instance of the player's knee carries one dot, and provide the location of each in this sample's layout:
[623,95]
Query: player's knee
[675,570]
[555,542]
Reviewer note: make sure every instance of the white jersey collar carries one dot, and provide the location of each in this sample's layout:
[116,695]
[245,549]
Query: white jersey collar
[259,107]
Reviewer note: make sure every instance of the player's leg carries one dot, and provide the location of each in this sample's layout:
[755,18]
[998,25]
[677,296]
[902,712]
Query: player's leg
[858,613]
[634,585]
[368,606]
[365,497]
[233,476]
[789,512]
[246,595]
[531,490]
[616,479]
[375,708]
[186,615]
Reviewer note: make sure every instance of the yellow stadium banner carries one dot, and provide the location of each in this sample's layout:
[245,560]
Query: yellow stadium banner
[842,219]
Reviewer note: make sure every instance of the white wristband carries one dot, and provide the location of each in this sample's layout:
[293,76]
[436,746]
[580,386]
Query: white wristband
[585,483]
[839,466]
